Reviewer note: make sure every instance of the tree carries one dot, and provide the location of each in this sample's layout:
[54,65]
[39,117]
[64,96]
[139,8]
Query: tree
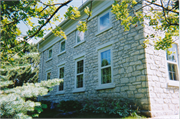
[13,52]
[162,15]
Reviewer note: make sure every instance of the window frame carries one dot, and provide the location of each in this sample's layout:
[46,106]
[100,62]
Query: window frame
[110,20]
[48,71]
[171,82]
[77,59]
[106,85]
[59,67]
[60,46]
[77,37]
[49,58]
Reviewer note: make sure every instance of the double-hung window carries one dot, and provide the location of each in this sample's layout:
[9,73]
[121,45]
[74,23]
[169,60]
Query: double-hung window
[48,75]
[172,62]
[104,21]
[50,53]
[62,46]
[79,73]
[61,76]
[105,67]
[79,36]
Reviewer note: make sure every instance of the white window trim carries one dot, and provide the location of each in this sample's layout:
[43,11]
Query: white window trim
[110,26]
[48,55]
[81,57]
[47,71]
[61,52]
[107,85]
[173,83]
[60,66]
[80,41]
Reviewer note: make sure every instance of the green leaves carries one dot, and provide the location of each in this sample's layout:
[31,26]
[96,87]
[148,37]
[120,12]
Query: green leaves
[72,13]
[166,20]
[82,26]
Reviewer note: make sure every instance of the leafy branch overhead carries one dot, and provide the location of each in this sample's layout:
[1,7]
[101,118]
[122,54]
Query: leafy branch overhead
[162,15]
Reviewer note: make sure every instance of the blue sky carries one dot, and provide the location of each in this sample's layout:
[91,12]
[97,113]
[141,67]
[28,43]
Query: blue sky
[75,3]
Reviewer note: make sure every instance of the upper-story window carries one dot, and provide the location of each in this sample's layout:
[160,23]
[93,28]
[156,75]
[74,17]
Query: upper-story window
[104,21]
[50,53]
[62,46]
[61,76]
[172,62]
[79,36]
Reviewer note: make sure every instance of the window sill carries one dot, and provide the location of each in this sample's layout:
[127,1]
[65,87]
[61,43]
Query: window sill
[49,59]
[105,86]
[173,83]
[79,43]
[99,32]
[60,92]
[61,53]
[77,90]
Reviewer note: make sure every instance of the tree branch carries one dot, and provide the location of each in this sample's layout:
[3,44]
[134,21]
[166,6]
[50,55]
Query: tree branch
[47,20]
[162,7]
[51,4]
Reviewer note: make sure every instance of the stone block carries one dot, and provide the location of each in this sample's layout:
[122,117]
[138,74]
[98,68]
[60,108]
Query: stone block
[139,95]
[124,80]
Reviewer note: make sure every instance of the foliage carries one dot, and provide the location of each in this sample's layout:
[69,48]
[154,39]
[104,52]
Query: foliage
[69,105]
[162,15]
[120,107]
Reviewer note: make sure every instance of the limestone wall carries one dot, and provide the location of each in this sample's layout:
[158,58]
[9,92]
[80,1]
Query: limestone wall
[129,64]
[163,92]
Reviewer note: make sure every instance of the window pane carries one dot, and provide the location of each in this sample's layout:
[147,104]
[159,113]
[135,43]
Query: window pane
[173,57]
[80,36]
[172,71]
[50,53]
[80,81]
[106,75]
[106,58]
[61,72]
[80,66]
[104,21]
[62,46]
[61,86]
[48,75]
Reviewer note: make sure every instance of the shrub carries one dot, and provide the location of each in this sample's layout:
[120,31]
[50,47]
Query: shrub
[120,107]
[70,105]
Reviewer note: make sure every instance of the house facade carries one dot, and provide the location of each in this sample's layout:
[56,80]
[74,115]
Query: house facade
[108,62]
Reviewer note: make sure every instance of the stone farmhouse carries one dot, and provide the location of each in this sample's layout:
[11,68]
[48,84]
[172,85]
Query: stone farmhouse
[108,62]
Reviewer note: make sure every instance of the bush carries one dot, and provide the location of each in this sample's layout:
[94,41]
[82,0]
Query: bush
[70,105]
[120,107]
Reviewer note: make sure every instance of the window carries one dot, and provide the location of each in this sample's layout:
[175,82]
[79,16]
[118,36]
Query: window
[79,73]
[105,66]
[48,75]
[62,46]
[104,21]
[79,36]
[61,76]
[172,62]
[50,53]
